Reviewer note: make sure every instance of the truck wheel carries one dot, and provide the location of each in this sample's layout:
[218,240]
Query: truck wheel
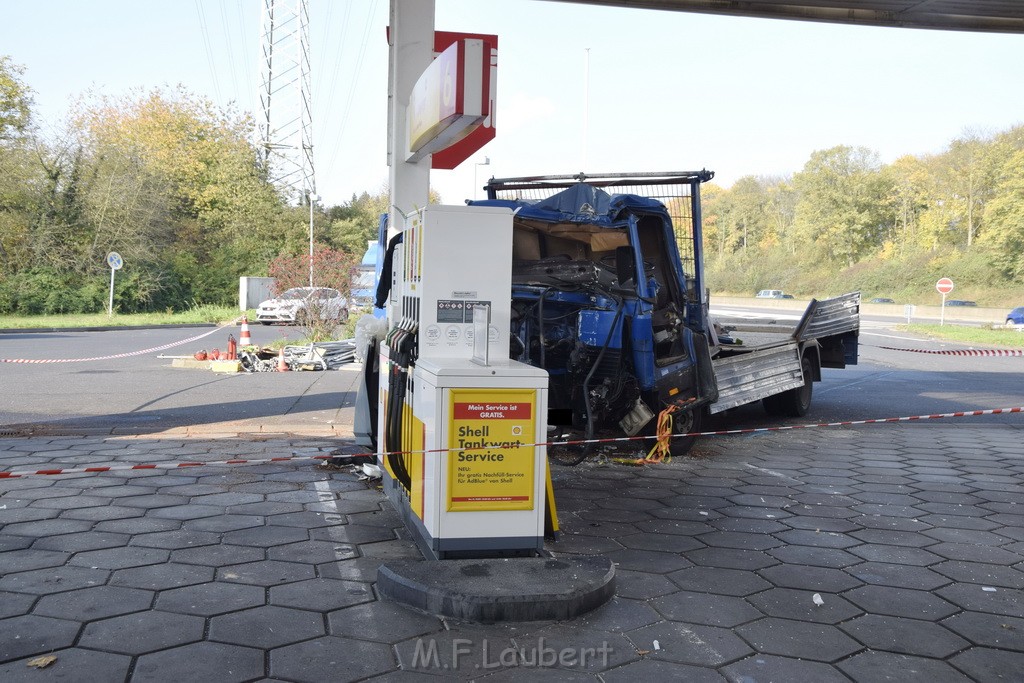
[794,402]
[569,455]
[683,422]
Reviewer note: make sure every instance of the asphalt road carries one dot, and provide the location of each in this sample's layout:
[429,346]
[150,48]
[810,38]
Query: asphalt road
[144,394]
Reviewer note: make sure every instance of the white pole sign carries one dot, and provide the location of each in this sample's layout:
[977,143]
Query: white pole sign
[115,262]
[944,286]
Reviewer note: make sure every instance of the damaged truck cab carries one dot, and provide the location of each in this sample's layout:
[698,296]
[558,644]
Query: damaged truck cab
[609,298]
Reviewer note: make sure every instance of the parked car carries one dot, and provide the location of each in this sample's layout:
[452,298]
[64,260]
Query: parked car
[298,303]
[881,300]
[771,294]
[1016,316]
[960,302]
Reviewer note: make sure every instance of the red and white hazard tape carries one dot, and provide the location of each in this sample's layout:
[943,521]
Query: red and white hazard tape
[724,432]
[163,466]
[958,352]
[120,355]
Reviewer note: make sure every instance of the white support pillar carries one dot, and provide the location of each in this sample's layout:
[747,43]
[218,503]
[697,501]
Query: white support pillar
[411,46]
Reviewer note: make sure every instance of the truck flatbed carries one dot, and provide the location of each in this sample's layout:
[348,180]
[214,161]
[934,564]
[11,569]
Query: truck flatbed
[767,358]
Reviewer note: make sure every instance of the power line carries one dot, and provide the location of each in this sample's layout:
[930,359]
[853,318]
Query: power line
[209,49]
[355,80]
[332,91]
[231,50]
[242,42]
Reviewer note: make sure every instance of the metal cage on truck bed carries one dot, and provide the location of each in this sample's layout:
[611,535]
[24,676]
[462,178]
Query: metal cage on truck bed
[679,191]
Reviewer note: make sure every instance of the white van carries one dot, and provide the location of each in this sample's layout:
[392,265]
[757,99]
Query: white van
[770,294]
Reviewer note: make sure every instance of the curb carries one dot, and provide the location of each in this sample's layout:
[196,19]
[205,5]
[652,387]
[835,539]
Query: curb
[504,589]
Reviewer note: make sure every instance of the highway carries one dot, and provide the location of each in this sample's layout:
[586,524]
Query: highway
[144,394]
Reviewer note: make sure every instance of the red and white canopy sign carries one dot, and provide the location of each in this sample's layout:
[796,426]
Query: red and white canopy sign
[944,285]
[459,151]
[451,111]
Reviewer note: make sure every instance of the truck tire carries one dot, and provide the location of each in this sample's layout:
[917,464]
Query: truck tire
[683,422]
[793,402]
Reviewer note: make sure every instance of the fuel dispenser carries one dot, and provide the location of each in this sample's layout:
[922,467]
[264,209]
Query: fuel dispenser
[457,418]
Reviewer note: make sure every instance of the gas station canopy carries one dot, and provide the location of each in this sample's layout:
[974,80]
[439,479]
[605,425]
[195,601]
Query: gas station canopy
[999,16]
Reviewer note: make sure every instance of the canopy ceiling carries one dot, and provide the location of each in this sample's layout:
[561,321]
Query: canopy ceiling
[1001,16]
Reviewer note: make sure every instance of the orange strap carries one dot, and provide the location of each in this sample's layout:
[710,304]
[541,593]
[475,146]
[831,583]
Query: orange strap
[662,449]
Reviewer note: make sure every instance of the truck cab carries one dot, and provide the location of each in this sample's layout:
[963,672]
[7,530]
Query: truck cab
[609,298]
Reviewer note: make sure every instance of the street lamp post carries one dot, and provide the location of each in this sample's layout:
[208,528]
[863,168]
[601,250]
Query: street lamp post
[476,167]
[312,200]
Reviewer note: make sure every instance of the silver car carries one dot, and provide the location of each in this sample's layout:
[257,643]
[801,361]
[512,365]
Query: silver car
[298,304]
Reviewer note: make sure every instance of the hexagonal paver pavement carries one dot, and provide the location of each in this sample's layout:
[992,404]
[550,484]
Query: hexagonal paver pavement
[71,664]
[802,640]
[208,599]
[201,661]
[321,595]
[142,632]
[799,556]
[266,627]
[266,573]
[888,666]
[906,636]
[90,604]
[384,622]
[28,635]
[331,659]
[709,646]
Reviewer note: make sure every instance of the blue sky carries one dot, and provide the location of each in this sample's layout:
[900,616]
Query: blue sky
[668,91]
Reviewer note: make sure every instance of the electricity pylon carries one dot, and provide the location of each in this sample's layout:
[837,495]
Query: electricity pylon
[286,126]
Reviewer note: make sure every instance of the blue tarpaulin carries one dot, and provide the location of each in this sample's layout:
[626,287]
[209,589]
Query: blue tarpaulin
[581,203]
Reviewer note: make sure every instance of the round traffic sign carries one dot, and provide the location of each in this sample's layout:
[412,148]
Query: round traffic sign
[944,285]
[114,260]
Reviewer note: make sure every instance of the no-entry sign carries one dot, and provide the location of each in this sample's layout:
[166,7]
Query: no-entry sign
[944,285]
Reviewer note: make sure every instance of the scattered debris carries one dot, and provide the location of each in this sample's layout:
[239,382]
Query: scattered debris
[816,599]
[319,356]
[988,589]
[371,472]
[322,355]
[258,360]
[42,662]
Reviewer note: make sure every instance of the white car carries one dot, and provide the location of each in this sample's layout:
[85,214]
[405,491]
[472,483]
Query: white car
[298,303]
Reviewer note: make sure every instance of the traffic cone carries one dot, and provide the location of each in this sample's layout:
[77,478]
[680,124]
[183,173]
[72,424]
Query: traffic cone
[282,366]
[232,348]
[244,339]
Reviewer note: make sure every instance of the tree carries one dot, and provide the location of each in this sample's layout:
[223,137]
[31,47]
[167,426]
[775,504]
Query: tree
[713,200]
[15,101]
[354,223]
[747,212]
[780,211]
[840,209]
[331,268]
[968,181]
[1004,215]
[909,180]
[172,182]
